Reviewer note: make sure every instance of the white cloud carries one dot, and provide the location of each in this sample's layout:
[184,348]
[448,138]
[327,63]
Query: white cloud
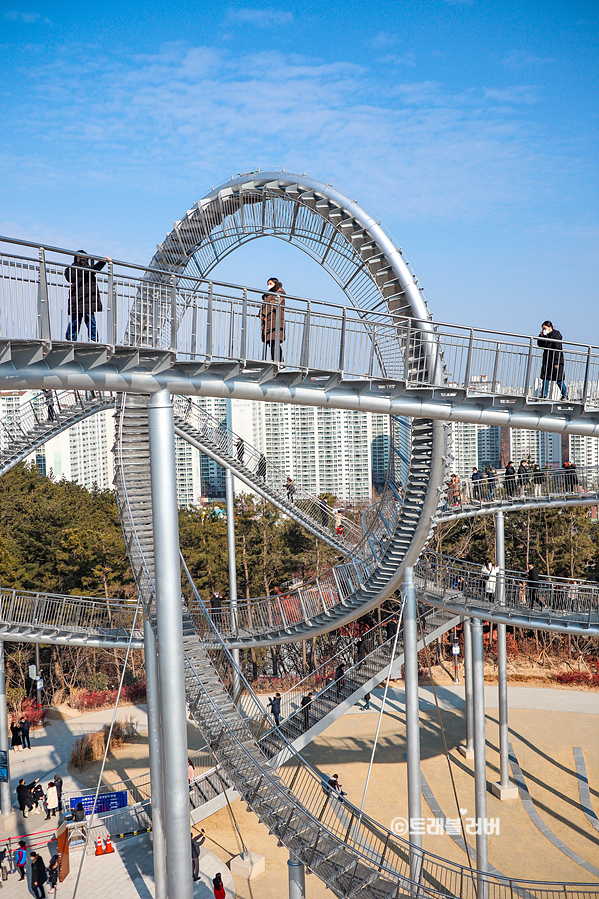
[260,18]
[17,16]
[520,59]
[182,118]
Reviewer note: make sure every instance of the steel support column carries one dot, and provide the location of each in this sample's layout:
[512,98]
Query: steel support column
[480,756]
[37,676]
[5,794]
[504,789]
[230,497]
[297,878]
[410,632]
[169,628]
[153,705]
[468,750]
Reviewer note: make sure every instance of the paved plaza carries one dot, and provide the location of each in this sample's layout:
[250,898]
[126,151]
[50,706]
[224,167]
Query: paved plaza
[545,725]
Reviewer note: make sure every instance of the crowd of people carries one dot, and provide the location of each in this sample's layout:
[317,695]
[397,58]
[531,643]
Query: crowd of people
[41,874]
[486,484]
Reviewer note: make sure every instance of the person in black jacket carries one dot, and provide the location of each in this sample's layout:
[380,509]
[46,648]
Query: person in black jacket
[84,296]
[510,479]
[25,727]
[533,587]
[552,366]
[275,707]
[24,797]
[38,875]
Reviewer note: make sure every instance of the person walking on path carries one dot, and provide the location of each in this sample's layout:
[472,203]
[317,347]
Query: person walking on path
[275,707]
[216,608]
[262,467]
[491,483]
[523,477]
[25,727]
[306,700]
[53,874]
[58,783]
[533,586]
[336,786]
[477,483]
[38,875]
[339,680]
[366,706]
[219,890]
[273,308]
[21,859]
[552,365]
[84,296]
[240,449]
[49,401]
[290,487]
[16,741]
[489,573]
[510,479]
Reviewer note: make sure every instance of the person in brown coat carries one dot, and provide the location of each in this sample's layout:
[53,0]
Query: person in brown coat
[271,303]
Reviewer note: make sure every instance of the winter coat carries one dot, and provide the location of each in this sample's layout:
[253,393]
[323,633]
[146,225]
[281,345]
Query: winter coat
[38,871]
[490,576]
[52,798]
[24,796]
[552,366]
[268,316]
[16,735]
[84,296]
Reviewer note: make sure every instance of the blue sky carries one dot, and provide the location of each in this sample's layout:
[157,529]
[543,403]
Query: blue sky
[470,128]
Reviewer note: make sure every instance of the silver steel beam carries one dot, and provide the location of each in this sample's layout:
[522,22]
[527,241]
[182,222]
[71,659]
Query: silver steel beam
[502,651]
[480,756]
[153,704]
[297,878]
[468,749]
[410,634]
[230,498]
[169,627]
[387,399]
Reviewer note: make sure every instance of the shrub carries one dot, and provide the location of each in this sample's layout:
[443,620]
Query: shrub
[578,677]
[90,748]
[29,710]
[89,700]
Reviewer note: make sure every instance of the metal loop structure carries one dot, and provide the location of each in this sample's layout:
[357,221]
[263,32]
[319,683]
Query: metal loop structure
[167,327]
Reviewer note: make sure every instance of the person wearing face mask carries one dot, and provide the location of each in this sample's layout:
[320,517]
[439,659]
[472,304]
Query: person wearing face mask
[272,319]
[552,366]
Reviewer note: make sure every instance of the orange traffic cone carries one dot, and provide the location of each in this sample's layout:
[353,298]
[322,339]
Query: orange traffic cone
[99,849]
[109,846]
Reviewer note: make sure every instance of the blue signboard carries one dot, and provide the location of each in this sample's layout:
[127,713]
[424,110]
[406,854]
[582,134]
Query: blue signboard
[107,802]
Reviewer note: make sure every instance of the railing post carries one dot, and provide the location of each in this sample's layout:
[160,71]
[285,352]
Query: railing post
[194,327]
[496,370]
[528,369]
[468,360]
[305,358]
[585,389]
[209,326]
[342,342]
[244,326]
[173,296]
[112,311]
[407,352]
[43,309]
[278,330]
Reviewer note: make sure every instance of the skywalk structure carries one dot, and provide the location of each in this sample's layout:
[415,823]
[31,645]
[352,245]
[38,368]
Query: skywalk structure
[168,329]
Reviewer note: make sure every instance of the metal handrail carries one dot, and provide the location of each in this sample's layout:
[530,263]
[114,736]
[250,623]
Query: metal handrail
[457,581]
[476,361]
[245,455]
[464,494]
